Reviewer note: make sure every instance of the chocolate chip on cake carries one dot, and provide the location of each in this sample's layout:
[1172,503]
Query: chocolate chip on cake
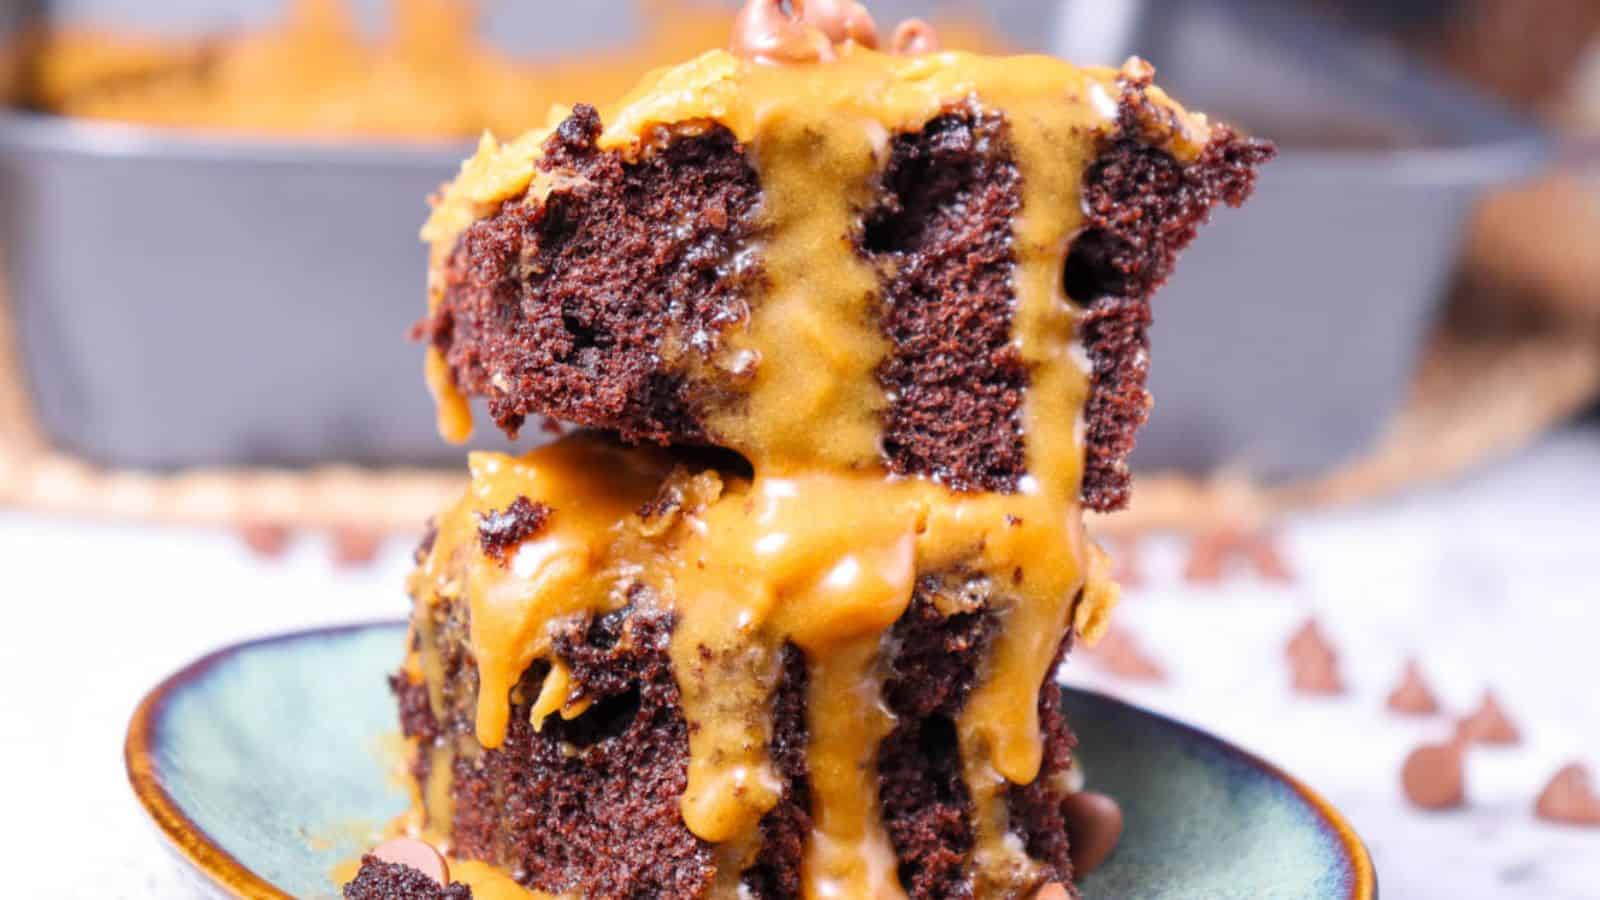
[913,37]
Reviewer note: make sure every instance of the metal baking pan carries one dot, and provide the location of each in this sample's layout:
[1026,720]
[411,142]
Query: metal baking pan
[186,299]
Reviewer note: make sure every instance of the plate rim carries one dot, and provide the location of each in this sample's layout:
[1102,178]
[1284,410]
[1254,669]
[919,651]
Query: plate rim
[1364,875]
[223,869]
[182,833]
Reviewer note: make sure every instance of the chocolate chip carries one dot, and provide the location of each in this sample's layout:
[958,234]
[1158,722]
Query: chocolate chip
[265,540]
[914,37]
[1210,553]
[1262,551]
[1120,654]
[765,32]
[1432,776]
[1412,697]
[840,20]
[1308,639]
[415,854]
[1318,675]
[500,531]
[1313,663]
[1130,571]
[1569,798]
[355,546]
[1489,724]
[1094,824]
[1208,556]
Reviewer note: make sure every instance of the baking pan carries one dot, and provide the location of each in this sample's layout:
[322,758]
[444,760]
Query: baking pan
[186,299]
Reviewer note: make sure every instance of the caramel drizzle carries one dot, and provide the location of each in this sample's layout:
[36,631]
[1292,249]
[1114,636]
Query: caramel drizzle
[822,547]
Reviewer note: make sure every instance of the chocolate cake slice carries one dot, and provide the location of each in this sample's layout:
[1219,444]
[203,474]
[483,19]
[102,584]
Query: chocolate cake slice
[854,338]
[572,770]
[734,260]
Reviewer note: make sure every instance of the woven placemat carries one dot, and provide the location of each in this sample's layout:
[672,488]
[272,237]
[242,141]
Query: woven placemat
[1499,370]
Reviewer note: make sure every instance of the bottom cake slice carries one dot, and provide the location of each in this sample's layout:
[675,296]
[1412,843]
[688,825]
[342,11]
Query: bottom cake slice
[632,676]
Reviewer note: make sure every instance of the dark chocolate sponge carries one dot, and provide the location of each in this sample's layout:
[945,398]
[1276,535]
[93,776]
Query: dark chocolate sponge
[561,308]
[940,235]
[592,803]
[587,306]
[1143,208]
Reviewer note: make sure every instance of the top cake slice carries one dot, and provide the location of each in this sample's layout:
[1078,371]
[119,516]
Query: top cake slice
[937,264]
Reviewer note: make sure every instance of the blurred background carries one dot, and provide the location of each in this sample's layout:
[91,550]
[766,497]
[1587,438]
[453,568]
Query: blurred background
[1375,385]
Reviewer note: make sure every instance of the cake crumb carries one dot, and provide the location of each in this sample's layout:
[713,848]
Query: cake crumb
[500,531]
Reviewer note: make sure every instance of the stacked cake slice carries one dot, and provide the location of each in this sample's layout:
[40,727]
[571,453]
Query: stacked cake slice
[855,338]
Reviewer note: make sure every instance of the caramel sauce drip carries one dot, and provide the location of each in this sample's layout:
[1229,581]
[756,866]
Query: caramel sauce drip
[825,560]
[571,567]
[821,548]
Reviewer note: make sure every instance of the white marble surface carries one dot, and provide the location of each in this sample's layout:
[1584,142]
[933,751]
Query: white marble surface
[1491,581]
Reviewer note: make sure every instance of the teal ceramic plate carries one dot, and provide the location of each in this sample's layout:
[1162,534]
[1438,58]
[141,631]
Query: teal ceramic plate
[265,766]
